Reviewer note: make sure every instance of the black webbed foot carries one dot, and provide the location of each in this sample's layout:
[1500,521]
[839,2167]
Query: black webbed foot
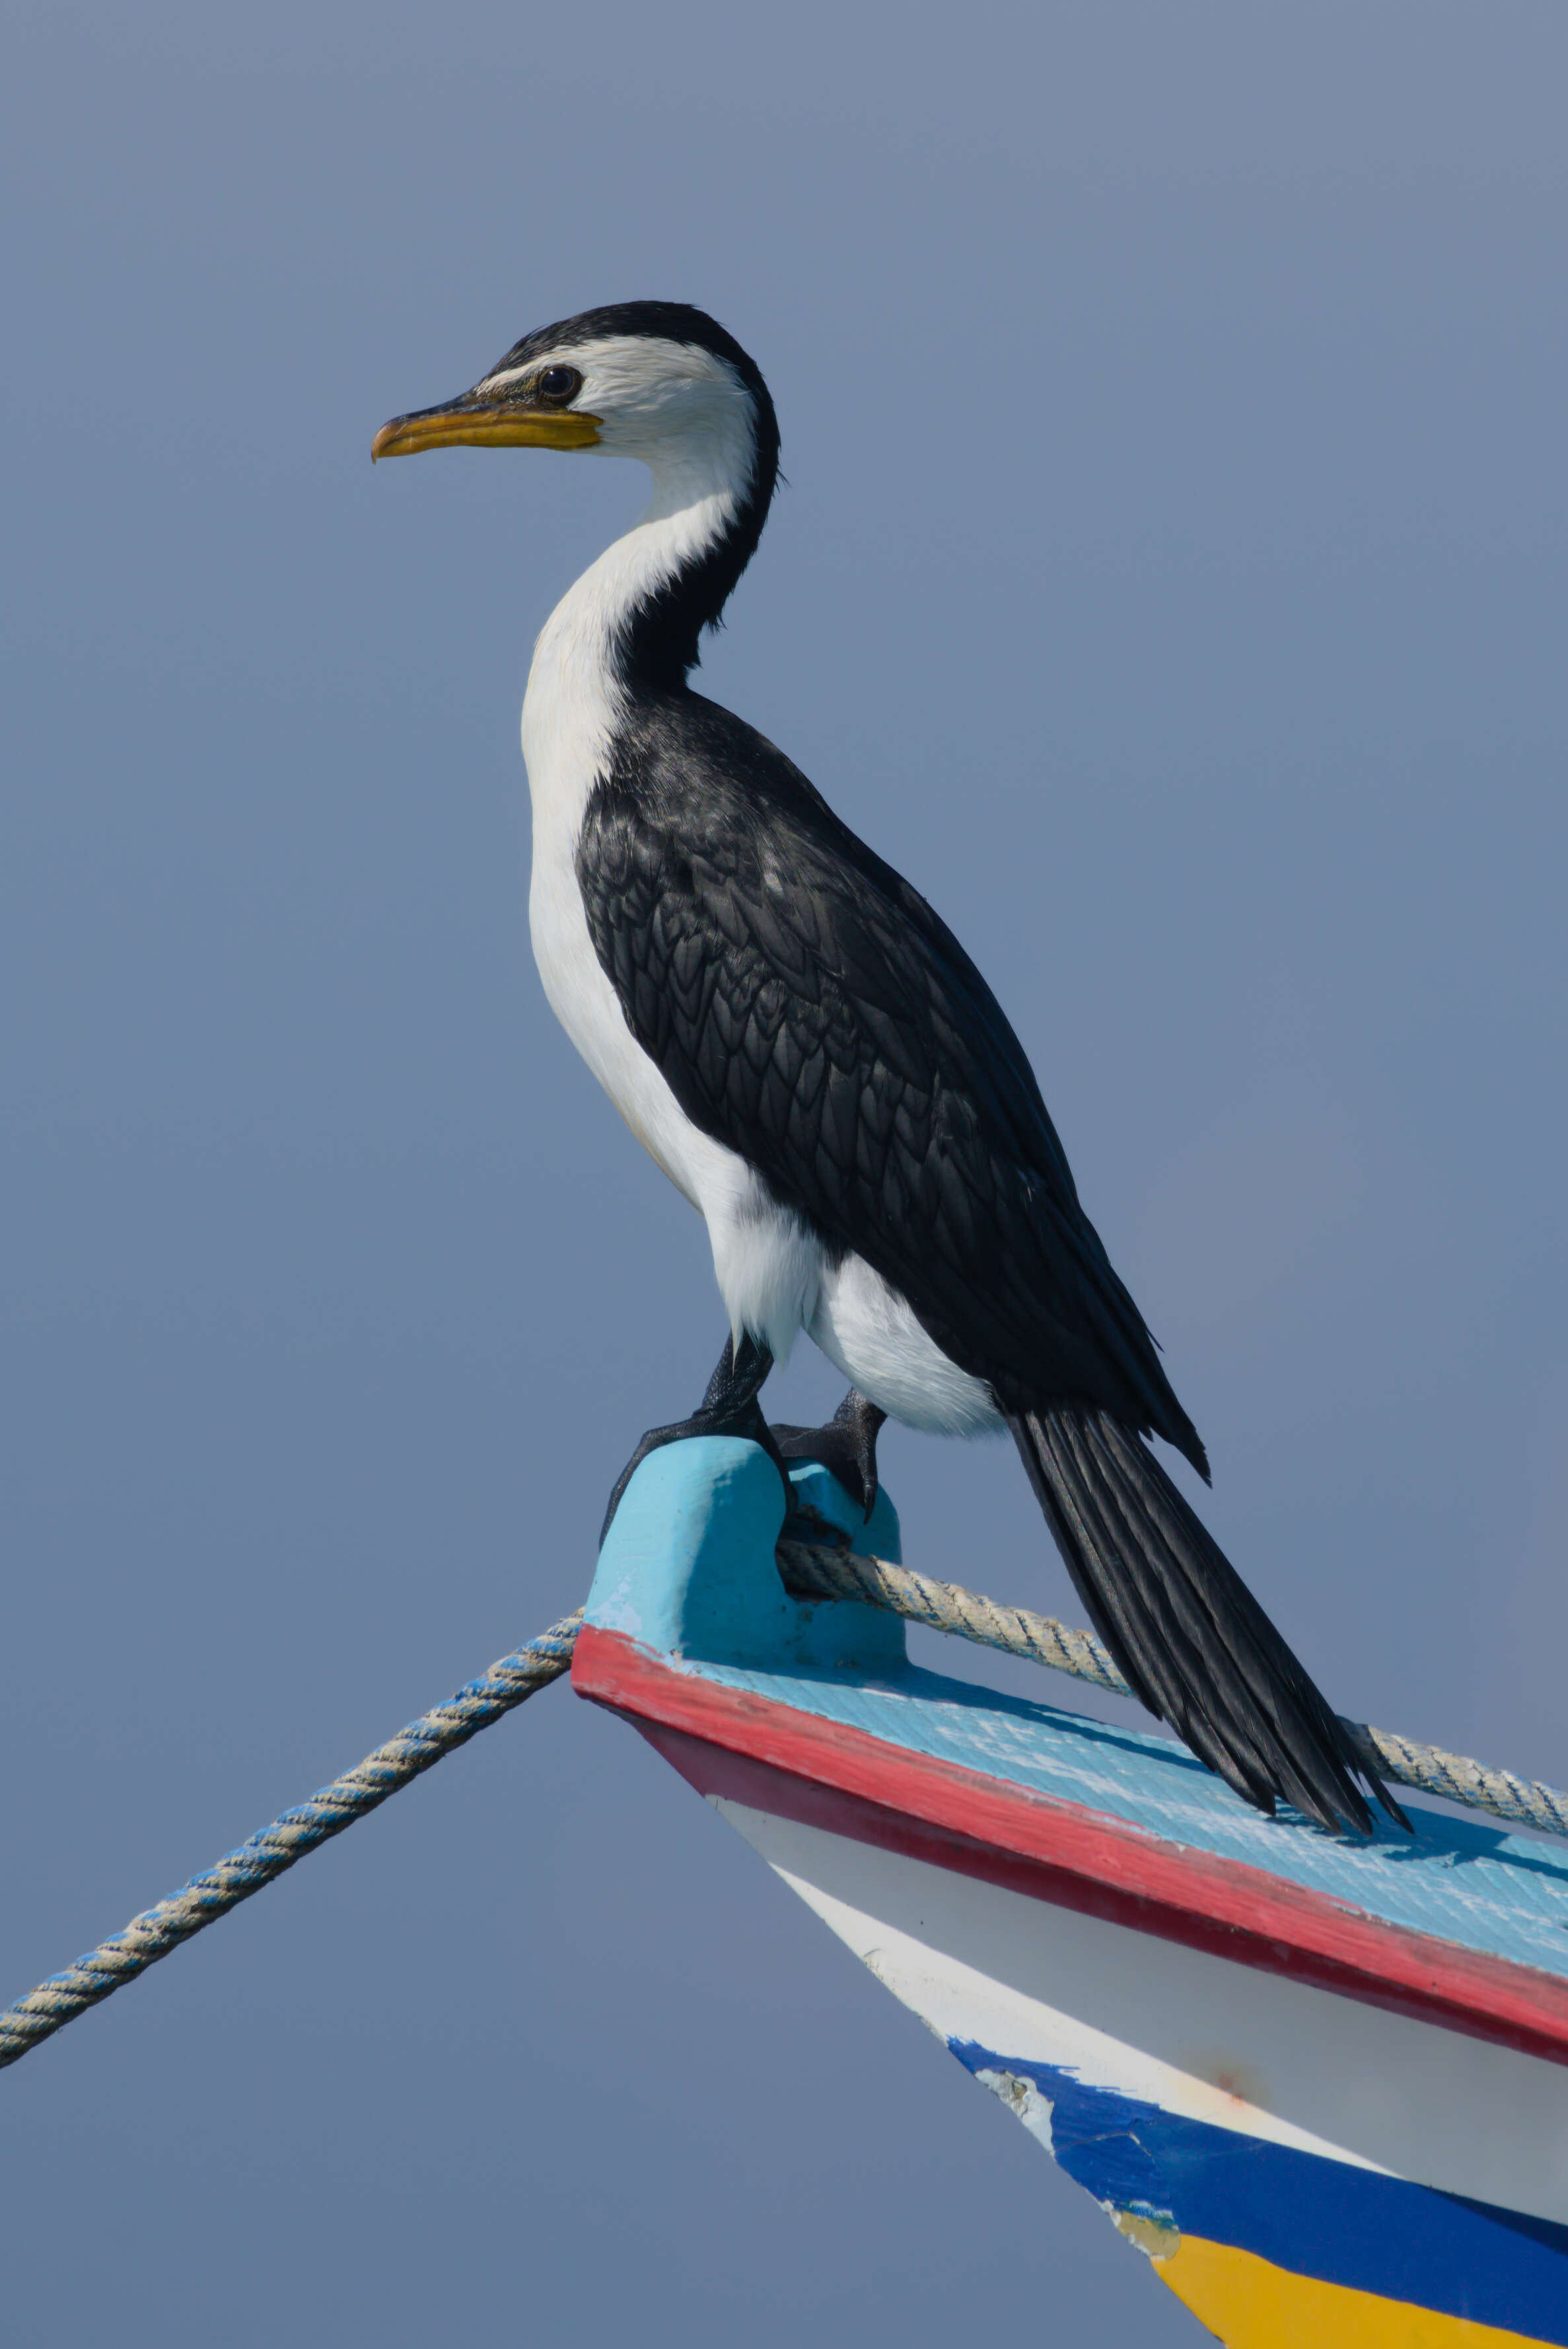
[728,1408]
[847,1446]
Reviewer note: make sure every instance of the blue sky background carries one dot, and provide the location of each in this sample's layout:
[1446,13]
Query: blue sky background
[1171,582]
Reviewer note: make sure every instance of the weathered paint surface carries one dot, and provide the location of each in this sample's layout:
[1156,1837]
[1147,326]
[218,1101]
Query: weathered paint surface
[989,1968]
[1318,2083]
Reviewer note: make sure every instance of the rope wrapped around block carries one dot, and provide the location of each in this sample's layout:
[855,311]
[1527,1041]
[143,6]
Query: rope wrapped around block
[414,1749]
[827,1569]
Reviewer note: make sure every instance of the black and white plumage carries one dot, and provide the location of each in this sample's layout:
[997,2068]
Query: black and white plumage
[808,1053]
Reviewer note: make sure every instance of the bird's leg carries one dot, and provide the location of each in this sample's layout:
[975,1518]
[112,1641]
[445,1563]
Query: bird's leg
[847,1446]
[728,1408]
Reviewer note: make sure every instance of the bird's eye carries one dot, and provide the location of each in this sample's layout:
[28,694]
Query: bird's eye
[558,385]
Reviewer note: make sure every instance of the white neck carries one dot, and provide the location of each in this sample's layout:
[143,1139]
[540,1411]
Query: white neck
[575,695]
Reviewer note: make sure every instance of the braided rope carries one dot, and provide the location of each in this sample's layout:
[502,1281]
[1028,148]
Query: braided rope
[827,1570]
[200,1903]
[1525,1802]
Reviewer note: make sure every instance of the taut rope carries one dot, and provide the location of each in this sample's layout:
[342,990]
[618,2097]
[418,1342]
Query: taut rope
[152,1936]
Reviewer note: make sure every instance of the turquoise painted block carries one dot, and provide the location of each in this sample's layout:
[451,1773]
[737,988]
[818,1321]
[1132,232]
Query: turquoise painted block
[687,1567]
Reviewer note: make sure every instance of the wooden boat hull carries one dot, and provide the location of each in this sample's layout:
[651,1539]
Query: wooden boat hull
[1320,2084]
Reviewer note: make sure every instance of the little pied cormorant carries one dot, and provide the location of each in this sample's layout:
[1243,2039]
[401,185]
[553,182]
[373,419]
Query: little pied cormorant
[808,1053]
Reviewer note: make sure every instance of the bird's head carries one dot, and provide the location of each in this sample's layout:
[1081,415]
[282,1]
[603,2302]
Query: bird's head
[656,380]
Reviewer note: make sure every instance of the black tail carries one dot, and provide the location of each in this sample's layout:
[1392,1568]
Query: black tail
[1187,1633]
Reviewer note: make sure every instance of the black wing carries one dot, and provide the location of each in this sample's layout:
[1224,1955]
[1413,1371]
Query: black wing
[808,1010]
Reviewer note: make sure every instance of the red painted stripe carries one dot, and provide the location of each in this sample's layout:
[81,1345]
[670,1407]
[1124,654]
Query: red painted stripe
[755,1750]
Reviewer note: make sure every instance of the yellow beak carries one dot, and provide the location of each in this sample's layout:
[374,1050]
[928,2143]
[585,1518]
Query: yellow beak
[500,427]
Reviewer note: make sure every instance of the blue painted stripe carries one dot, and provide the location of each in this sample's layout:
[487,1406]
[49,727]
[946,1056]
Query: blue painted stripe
[1304,2211]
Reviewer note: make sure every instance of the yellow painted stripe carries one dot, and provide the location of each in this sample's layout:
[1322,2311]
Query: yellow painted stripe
[1249,2304]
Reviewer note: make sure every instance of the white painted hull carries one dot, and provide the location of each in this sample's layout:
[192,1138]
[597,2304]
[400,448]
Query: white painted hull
[1222,2043]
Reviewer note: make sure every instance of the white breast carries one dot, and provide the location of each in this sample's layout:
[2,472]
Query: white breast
[767,1263]
[568,723]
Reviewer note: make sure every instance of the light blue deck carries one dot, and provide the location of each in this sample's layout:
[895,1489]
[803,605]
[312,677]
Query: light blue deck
[687,1571]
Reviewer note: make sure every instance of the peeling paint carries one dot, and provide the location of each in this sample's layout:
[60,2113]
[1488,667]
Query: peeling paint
[1023,2099]
[1156,2234]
